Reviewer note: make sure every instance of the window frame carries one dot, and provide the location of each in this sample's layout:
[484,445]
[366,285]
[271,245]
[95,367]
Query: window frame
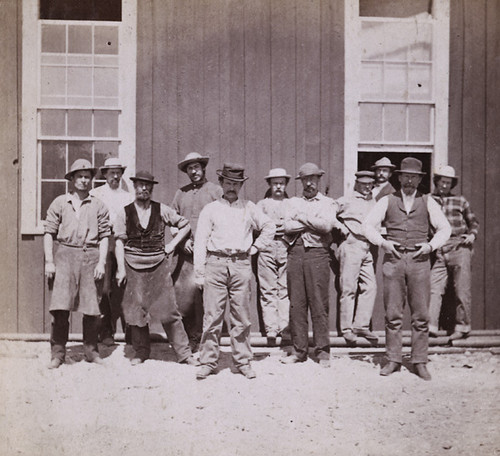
[31,218]
[440,20]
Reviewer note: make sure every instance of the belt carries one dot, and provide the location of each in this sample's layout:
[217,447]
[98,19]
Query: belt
[84,247]
[232,256]
[403,249]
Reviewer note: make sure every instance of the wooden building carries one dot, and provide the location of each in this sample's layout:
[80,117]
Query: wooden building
[266,83]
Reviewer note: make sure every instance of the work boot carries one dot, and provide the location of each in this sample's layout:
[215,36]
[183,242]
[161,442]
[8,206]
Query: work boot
[204,371]
[292,359]
[191,361]
[350,338]
[247,371]
[90,337]
[55,363]
[421,371]
[390,368]
[368,335]
[456,335]
[140,342]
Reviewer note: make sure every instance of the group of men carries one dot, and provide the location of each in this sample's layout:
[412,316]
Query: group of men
[114,261]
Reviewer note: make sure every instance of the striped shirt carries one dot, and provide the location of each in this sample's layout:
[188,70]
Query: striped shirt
[458,212]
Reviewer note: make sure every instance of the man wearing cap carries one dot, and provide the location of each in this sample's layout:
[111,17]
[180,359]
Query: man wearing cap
[357,274]
[272,260]
[308,224]
[453,259]
[80,223]
[115,198]
[142,254]
[188,202]
[407,216]
[222,248]
[383,171]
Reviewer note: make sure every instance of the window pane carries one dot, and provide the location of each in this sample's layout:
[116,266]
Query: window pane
[53,80]
[420,82]
[419,123]
[79,123]
[104,150]
[395,122]
[81,10]
[53,38]
[79,81]
[52,122]
[105,40]
[395,81]
[372,40]
[106,82]
[371,79]
[106,123]
[50,190]
[370,122]
[80,39]
[79,149]
[394,8]
[53,159]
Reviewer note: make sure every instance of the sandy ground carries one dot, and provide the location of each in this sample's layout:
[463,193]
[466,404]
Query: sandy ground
[159,408]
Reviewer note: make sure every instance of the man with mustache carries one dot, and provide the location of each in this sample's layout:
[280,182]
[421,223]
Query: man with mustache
[142,257]
[80,223]
[115,198]
[188,202]
[272,261]
[383,171]
[222,248]
[407,216]
[454,258]
[308,224]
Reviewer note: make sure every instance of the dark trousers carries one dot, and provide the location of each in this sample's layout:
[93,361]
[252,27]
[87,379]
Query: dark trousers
[60,330]
[308,287]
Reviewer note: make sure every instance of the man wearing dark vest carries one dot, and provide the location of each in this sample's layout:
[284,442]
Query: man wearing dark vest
[141,255]
[407,215]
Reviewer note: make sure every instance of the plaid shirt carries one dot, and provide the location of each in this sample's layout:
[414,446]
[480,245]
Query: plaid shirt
[458,212]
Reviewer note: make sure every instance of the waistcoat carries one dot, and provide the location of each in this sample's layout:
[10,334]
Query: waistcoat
[149,239]
[407,229]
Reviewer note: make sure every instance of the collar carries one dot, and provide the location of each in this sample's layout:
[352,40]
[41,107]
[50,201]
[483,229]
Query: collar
[226,202]
[72,195]
[201,184]
[361,196]
[316,197]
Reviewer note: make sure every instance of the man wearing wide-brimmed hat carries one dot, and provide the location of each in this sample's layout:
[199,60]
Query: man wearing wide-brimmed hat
[453,260]
[407,216]
[308,224]
[383,169]
[357,282]
[142,254]
[115,198]
[223,245]
[272,261]
[188,202]
[80,223]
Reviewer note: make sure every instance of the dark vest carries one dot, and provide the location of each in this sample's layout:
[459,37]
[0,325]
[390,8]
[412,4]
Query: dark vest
[407,229]
[149,239]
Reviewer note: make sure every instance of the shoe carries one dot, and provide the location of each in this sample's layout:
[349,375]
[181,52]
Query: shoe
[324,363]
[458,335]
[292,359]
[390,368]
[421,371]
[55,363]
[433,334]
[108,341]
[368,335]
[271,341]
[247,371]
[97,360]
[203,372]
[191,361]
[136,361]
[350,338]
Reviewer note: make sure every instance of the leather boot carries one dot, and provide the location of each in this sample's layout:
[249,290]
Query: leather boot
[421,371]
[90,336]
[59,337]
[390,368]
[141,343]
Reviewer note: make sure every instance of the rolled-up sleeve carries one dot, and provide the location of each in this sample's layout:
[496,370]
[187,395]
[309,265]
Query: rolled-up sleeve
[440,224]
[172,218]
[376,216]
[103,221]
[265,225]
[53,219]
[120,226]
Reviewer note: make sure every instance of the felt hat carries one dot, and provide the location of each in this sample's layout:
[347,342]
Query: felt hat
[411,165]
[447,171]
[384,162]
[365,176]
[143,176]
[192,157]
[309,169]
[277,172]
[232,171]
[113,162]
[80,165]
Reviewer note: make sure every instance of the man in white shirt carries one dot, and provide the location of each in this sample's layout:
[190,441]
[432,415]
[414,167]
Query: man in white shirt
[223,245]
[407,215]
[115,198]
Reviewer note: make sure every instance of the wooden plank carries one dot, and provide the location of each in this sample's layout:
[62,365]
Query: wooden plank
[144,110]
[492,196]
[257,97]
[9,164]
[474,127]
[283,94]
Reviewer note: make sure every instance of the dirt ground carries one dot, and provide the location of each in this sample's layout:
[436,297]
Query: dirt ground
[159,408]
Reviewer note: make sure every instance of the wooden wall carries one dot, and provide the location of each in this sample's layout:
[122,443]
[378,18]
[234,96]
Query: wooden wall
[474,139]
